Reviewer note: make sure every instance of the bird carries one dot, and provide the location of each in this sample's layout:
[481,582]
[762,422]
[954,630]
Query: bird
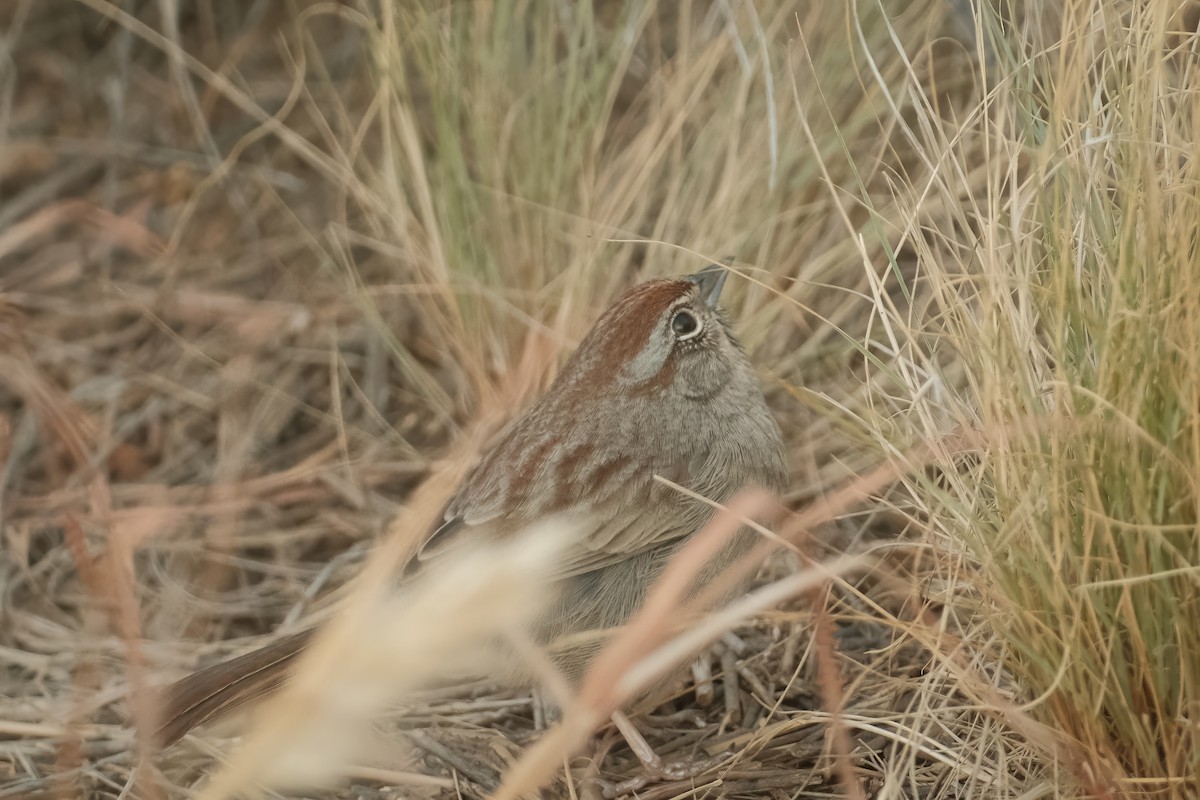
[659,387]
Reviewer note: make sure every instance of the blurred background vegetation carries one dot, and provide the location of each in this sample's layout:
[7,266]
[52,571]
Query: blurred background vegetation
[264,266]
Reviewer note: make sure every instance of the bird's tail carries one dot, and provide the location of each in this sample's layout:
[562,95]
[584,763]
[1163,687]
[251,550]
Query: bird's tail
[215,691]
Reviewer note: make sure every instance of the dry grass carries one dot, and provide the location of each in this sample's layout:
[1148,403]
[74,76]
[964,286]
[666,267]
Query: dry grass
[1072,315]
[272,274]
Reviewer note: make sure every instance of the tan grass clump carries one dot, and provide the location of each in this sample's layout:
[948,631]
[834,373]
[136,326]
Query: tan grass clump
[1065,293]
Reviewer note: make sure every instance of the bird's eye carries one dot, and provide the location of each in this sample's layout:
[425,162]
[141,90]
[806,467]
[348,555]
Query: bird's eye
[685,325]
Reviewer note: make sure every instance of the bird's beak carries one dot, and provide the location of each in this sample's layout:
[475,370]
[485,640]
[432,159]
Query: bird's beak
[710,281]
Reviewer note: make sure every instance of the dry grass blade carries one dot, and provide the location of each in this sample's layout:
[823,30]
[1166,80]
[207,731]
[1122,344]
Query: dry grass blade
[443,623]
[664,632]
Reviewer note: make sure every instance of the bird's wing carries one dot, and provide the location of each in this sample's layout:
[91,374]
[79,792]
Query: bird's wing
[643,519]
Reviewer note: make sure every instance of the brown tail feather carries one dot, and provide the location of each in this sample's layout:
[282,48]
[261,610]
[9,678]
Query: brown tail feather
[215,691]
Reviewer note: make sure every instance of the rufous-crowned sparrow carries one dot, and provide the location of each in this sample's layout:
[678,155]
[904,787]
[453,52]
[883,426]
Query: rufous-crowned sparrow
[658,386]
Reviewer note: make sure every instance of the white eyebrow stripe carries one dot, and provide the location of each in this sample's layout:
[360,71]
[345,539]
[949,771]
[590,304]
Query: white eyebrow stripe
[683,302]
